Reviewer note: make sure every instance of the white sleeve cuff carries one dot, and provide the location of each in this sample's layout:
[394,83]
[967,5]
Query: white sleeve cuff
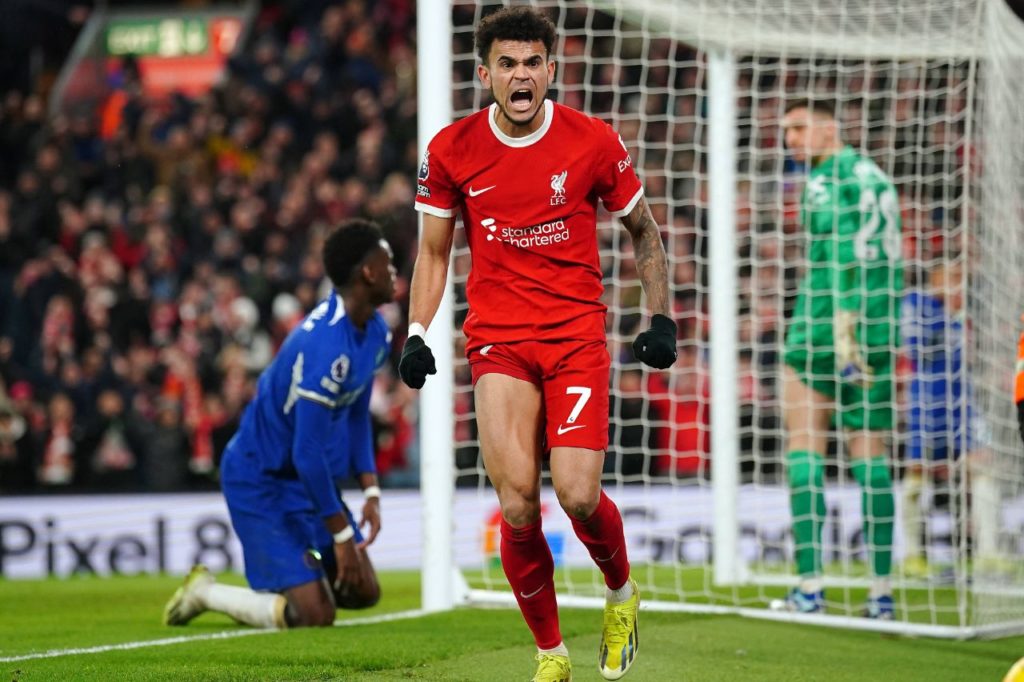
[434,210]
[629,206]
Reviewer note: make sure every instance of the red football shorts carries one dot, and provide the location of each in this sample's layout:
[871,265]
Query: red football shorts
[573,377]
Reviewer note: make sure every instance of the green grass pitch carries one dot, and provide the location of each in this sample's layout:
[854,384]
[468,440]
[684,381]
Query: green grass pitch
[466,644]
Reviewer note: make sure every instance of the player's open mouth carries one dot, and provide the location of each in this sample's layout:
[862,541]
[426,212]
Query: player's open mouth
[521,100]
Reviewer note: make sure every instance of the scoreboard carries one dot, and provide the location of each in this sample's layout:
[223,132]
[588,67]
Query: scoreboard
[173,53]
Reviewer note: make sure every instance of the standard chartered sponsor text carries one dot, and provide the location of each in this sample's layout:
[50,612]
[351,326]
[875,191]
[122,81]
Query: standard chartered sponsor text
[544,234]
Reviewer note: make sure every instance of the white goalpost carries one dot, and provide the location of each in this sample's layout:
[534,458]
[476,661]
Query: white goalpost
[931,92]
[436,406]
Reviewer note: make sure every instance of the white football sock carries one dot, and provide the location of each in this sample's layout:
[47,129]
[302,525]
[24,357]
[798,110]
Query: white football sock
[811,585]
[880,587]
[260,609]
[559,650]
[913,519]
[985,514]
[620,595]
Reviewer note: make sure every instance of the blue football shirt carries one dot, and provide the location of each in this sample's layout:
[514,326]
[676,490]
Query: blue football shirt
[934,341]
[940,417]
[310,418]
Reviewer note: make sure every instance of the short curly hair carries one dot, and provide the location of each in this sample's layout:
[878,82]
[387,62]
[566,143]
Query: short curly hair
[347,246]
[521,23]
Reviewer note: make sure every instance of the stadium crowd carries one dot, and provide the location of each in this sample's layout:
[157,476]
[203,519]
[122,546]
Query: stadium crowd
[153,255]
[150,265]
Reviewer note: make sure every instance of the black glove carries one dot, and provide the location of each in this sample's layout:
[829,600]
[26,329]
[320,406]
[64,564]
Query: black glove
[656,347]
[416,363]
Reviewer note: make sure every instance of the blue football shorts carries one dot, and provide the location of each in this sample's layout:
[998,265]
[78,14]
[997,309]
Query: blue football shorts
[937,433]
[284,540]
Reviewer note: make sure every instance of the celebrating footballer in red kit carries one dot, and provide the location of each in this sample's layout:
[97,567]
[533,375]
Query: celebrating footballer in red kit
[526,175]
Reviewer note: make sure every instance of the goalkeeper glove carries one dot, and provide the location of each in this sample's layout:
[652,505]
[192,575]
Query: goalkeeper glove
[416,363]
[1018,387]
[850,362]
[656,347]
[1020,418]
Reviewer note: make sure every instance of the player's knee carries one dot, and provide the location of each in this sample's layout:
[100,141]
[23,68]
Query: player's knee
[806,440]
[319,614]
[578,503]
[372,595]
[366,597]
[520,510]
[323,615]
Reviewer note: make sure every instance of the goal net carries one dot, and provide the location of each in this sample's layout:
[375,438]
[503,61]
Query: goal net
[697,90]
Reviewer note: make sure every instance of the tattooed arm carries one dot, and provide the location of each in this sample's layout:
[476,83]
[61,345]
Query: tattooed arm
[651,261]
[655,347]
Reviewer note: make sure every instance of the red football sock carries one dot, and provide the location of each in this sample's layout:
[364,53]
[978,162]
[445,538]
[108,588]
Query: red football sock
[602,535]
[526,559]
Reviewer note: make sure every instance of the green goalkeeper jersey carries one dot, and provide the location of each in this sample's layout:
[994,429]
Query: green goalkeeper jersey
[850,210]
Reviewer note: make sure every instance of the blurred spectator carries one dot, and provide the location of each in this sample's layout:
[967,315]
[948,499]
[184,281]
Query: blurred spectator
[109,438]
[393,430]
[684,444]
[164,455]
[16,451]
[57,466]
[155,252]
[631,436]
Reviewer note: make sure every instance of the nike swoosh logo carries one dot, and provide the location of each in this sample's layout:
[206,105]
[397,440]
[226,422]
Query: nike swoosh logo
[566,429]
[478,192]
[609,558]
[486,349]
[532,594]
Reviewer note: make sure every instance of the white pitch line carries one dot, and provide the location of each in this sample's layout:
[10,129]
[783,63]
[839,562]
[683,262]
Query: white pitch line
[226,634]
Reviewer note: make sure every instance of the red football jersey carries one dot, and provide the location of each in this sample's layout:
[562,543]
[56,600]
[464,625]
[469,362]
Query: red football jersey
[529,207]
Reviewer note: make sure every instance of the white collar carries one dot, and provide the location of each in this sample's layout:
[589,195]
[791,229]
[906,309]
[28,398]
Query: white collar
[527,140]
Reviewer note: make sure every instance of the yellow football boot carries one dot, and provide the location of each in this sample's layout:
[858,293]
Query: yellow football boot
[620,638]
[553,668]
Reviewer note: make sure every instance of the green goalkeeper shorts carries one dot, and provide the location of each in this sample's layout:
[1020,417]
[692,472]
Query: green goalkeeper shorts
[857,408]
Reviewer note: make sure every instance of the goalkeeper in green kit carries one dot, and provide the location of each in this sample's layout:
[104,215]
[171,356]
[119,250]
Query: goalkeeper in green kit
[841,347]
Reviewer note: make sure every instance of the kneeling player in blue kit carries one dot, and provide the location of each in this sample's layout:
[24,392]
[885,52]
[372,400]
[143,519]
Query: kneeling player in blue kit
[306,431]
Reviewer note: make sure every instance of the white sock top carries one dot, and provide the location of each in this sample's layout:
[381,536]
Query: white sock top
[811,585]
[620,595]
[559,650]
[880,587]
